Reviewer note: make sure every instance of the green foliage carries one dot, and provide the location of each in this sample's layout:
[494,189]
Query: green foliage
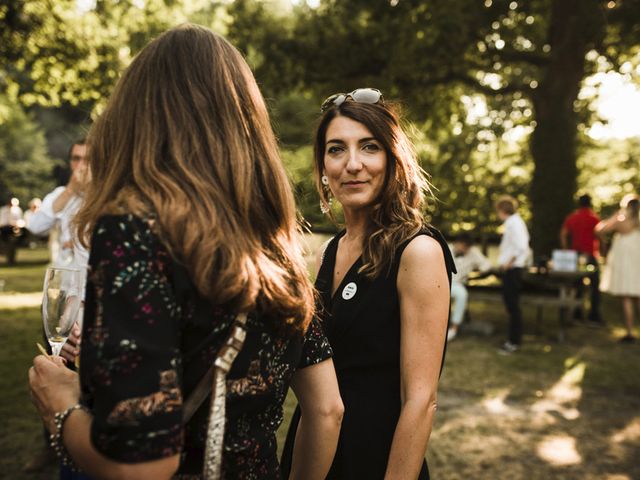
[469,174]
[523,61]
[25,169]
[79,63]
[61,63]
[294,116]
[610,170]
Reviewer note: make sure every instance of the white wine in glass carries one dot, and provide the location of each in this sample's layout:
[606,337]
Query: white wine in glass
[60,303]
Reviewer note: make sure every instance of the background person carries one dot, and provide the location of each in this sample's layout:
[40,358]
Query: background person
[11,214]
[56,213]
[384,291]
[468,258]
[60,207]
[512,258]
[621,275]
[578,234]
[192,220]
[34,206]
[11,227]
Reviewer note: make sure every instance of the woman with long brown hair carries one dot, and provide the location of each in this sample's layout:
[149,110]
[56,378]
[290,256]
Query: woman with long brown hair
[384,291]
[192,222]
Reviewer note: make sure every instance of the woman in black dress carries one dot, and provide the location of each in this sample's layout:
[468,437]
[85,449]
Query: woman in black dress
[192,221]
[384,291]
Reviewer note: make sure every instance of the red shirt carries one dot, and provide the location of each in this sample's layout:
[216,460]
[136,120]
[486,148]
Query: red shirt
[580,225]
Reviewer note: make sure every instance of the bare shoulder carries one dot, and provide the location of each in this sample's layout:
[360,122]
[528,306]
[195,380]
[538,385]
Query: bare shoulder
[422,250]
[422,276]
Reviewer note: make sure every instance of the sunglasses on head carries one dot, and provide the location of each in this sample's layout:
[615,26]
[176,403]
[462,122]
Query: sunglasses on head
[359,95]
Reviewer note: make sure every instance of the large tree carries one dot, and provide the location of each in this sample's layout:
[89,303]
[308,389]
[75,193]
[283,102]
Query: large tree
[59,63]
[527,58]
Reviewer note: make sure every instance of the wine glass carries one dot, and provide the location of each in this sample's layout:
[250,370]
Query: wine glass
[60,304]
[79,320]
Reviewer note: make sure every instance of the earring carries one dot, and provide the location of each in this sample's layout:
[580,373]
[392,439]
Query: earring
[325,207]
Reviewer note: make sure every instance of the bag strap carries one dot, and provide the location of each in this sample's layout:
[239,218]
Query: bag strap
[203,389]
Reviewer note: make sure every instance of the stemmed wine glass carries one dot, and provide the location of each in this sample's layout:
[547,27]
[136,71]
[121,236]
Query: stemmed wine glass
[60,304]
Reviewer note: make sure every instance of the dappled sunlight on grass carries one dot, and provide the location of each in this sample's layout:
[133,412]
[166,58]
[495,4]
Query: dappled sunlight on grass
[564,394]
[544,413]
[619,332]
[559,450]
[495,404]
[628,433]
[11,301]
[553,411]
[623,444]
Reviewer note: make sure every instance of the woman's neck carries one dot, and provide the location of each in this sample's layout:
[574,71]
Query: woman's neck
[356,225]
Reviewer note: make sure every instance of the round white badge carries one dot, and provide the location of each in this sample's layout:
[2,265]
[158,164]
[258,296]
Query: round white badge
[349,291]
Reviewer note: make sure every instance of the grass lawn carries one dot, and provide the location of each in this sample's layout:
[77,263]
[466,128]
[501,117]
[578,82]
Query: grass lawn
[552,411]
[27,273]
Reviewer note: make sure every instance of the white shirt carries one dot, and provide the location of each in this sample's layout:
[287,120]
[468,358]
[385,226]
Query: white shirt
[44,220]
[467,263]
[515,242]
[10,216]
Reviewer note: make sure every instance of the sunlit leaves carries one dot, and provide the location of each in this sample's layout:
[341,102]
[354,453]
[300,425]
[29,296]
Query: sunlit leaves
[74,56]
[24,165]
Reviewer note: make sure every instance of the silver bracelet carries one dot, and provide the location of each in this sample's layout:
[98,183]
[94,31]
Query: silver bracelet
[55,439]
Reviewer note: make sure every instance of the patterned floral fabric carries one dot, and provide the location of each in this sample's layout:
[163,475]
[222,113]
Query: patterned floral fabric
[148,339]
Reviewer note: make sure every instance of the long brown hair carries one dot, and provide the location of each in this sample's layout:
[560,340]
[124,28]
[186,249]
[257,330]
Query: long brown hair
[186,138]
[397,214]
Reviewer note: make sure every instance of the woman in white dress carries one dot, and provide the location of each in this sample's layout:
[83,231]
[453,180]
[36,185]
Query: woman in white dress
[621,276]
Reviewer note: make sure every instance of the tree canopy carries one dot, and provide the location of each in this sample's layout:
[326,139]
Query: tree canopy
[490,89]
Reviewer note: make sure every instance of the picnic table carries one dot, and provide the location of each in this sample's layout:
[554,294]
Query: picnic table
[541,288]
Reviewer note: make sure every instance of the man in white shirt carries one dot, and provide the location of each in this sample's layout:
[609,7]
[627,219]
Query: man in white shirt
[468,258]
[61,205]
[512,258]
[59,208]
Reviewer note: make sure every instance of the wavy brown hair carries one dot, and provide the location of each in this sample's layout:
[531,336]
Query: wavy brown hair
[397,214]
[186,138]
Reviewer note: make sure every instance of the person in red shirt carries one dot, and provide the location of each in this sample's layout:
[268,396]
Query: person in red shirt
[577,234]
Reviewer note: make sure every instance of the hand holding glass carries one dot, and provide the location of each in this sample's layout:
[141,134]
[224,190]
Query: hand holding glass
[60,304]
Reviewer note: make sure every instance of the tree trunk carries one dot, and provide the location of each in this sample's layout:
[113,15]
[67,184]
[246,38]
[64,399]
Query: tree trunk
[573,27]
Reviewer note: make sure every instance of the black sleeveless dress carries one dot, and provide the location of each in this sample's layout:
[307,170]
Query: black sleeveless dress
[362,322]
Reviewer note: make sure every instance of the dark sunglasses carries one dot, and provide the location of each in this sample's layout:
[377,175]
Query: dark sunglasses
[359,95]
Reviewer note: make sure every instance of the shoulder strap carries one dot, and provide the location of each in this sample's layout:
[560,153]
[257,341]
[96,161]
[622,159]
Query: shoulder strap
[224,359]
[328,260]
[434,233]
[448,258]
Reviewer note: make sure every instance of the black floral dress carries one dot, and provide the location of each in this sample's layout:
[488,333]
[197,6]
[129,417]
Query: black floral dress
[148,338]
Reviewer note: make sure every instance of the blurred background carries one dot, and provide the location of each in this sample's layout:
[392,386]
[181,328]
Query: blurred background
[538,99]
